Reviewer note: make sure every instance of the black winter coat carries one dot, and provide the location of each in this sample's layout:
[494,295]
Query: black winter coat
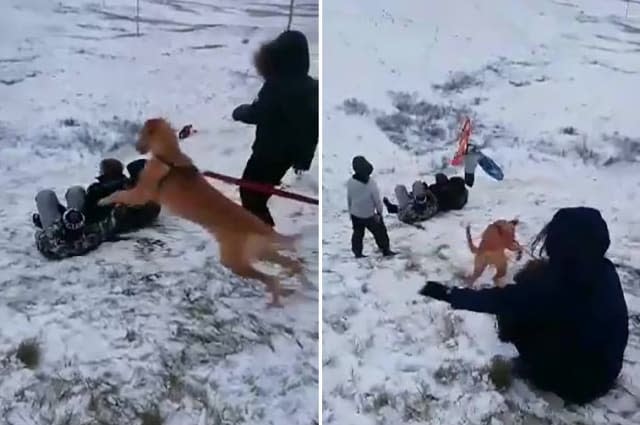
[286,109]
[568,318]
[98,190]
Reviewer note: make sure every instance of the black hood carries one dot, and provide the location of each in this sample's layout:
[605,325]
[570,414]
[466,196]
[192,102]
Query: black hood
[362,169]
[289,54]
[577,234]
[134,168]
[576,242]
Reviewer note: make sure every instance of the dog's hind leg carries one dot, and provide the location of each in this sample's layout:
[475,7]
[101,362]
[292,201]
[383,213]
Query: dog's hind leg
[272,282]
[237,256]
[293,267]
[501,271]
[479,266]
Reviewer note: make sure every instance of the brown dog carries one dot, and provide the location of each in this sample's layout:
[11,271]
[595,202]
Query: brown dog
[170,179]
[497,237]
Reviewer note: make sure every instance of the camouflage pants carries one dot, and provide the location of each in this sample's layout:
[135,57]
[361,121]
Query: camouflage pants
[55,241]
[408,212]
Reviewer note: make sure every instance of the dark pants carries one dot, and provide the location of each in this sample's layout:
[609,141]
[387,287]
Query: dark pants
[265,171]
[376,226]
[469,178]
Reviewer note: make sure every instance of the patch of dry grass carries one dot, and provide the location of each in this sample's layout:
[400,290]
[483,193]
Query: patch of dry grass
[28,353]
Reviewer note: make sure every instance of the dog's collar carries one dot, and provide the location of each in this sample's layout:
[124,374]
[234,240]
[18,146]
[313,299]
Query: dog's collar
[168,163]
[189,168]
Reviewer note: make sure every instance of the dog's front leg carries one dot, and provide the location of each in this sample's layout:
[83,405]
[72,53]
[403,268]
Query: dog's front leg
[517,248]
[134,197]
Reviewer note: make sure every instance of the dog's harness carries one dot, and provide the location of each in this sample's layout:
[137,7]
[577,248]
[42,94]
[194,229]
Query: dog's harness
[186,170]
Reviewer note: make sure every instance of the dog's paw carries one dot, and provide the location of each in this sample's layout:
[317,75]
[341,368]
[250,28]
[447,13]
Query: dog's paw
[275,304]
[469,281]
[307,283]
[287,292]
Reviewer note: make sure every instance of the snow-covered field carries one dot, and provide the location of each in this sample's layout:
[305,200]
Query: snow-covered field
[552,89]
[152,324]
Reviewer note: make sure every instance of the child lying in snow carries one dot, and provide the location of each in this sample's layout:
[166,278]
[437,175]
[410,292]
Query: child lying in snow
[82,225]
[64,231]
[365,208]
[418,205]
[424,201]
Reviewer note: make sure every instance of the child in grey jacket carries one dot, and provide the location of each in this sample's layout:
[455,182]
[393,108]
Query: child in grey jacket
[365,208]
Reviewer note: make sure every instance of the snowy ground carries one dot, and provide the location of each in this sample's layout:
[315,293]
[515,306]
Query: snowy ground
[153,323]
[551,88]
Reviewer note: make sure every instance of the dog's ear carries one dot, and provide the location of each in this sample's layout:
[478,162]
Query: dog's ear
[514,222]
[149,127]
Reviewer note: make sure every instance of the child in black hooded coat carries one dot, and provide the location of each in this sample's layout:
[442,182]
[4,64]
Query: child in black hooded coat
[286,117]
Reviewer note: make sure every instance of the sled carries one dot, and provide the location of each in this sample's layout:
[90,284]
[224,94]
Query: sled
[490,167]
[463,143]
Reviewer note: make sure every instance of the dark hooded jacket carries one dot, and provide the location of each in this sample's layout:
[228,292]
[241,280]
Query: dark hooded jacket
[127,218]
[104,187]
[568,317]
[131,217]
[451,193]
[286,110]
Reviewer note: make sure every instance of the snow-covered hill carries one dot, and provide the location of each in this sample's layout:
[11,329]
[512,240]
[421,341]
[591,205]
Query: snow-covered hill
[552,90]
[153,322]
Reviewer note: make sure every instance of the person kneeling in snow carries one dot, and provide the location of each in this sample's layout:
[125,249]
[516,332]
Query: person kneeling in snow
[82,225]
[566,315]
[365,208]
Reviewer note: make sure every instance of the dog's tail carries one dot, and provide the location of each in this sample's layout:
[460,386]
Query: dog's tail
[472,247]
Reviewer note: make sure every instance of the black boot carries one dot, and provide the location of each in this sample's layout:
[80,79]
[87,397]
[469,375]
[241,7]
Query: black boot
[36,220]
[391,208]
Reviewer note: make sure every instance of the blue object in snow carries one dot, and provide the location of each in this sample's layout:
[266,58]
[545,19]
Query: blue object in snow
[490,167]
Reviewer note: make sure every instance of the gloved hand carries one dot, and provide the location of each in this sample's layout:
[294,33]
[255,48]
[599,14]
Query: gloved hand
[186,131]
[435,290]
[240,111]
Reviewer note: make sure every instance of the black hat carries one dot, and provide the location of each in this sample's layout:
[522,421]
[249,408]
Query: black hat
[134,168]
[110,168]
[361,166]
[441,179]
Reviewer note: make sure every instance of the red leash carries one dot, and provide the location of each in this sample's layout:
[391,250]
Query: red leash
[262,188]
